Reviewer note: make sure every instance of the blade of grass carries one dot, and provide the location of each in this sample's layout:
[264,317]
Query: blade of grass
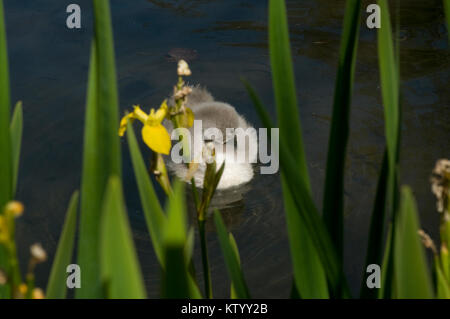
[6,169]
[314,224]
[101,150]
[309,275]
[5,147]
[16,129]
[307,210]
[411,274]
[176,282]
[231,259]
[390,88]
[119,263]
[107,90]
[284,86]
[56,287]
[303,251]
[91,193]
[259,106]
[333,199]
[442,285]
[291,138]
[194,291]
[153,212]
[233,294]
[387,274]
[374,253]
[388,284]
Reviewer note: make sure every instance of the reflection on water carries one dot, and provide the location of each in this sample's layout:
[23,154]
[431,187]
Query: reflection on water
[49,69]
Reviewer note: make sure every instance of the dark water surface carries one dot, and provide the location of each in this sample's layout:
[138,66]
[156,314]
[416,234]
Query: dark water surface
[49,66]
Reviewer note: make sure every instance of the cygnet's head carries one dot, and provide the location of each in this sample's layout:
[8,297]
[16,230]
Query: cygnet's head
[221,116]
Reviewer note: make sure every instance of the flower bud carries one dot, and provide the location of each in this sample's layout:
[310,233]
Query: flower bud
[38,293]
[15,208]
[38,253]
[183,68]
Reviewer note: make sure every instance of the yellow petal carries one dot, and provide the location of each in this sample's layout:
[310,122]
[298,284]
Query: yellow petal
[156,117]
[124,122]
[164,106]
[136,114]
[139,114]
[157,138]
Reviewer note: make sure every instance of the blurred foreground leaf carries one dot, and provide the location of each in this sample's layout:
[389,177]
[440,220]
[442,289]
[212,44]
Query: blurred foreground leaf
[6,168]
[234,246]
[120,271]
[306,210]
[101,153]
[374,254]
[411,273]
[284,86]
[5,147]
[176,282]
[333,199]
[390,89]
[231,259]
[56,286]
[309,275]
[16,142]
[442,284]
[292,155]
[154,215]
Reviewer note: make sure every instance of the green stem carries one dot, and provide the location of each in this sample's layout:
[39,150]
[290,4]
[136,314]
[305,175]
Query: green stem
[205,262]
[195,194]
[30,286]
[14,269]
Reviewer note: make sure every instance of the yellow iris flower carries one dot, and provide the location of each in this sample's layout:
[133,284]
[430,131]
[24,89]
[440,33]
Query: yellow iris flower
[154,133]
